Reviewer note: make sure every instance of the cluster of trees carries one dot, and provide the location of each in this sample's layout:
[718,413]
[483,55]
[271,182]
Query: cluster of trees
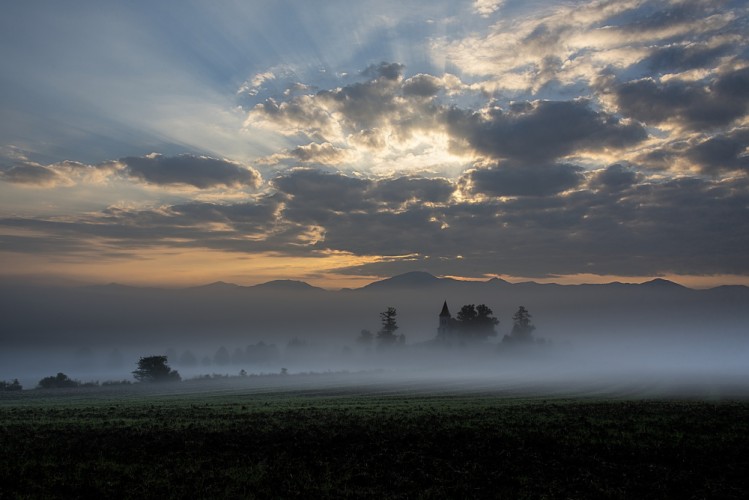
[61,381]
[476,322]
[473,323]
[10,386]
[150,369]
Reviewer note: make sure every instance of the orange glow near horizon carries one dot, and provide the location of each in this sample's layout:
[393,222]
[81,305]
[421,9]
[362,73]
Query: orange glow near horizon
[172,268]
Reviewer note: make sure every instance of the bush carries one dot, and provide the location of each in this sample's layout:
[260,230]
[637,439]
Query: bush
[59,381]
[115,382]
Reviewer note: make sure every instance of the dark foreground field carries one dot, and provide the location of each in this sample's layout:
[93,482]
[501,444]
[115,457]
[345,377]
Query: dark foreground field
[368,440]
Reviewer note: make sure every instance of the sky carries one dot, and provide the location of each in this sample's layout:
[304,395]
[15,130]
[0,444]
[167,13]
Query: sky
[181,142]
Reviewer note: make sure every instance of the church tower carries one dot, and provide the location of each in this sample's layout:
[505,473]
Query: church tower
[444,329]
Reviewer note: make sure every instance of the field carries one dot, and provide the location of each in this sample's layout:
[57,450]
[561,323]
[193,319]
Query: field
[333,436]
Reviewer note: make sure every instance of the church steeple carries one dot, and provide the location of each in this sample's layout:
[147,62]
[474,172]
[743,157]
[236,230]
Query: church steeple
[444,329]
[445,311]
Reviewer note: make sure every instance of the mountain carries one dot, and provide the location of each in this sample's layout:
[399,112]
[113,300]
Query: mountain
[661,284]
[287,285]
[216,286]
[414,279]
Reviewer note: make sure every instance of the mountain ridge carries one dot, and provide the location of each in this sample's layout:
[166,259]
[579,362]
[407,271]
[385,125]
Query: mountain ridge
[415,279]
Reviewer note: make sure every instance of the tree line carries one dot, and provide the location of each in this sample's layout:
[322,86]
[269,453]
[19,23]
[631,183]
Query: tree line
[472,323]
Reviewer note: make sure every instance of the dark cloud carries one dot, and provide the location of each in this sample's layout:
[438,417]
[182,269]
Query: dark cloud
[689,226]
[723,152]
[299,113]
[243,227]
[198,171]
[416,189]
[678,58]
[695,105]
[518,180]
[386,70]
[364,105]
[734,85]
[31,174]
[315,195]
[422,86]
[615,177]
[542,133]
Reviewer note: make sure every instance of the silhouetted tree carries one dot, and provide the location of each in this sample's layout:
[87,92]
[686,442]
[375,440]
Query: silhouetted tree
[476,322]
[386,335]
[467,313]
[58,381]
[155,369]
[522,328]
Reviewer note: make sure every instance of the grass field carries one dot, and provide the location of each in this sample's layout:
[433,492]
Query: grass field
[332,437]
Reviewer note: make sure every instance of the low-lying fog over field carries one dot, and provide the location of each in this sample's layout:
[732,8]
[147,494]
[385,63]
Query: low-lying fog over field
[656,335]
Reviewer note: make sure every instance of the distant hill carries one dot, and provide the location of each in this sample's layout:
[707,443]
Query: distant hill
[217,286]
[406,280]
[287,285]
[661,283]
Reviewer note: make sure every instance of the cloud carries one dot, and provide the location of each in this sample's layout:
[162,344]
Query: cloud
[386,70]
[486,8]
[677,58]
[422,85]
[183,170]
[363,105]
[201,172]
[615,177]
[618,224]
[517,180]
[321,153]
[299,114]
[415,189]
[724,152]
[692,104]
[687,226]
[31,174]
[384,123]
[567,47]
[314,195]
[543,131]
